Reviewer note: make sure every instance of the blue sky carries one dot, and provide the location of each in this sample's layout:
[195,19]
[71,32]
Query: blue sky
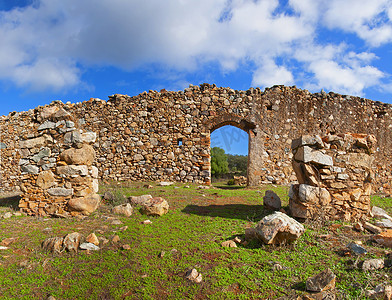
[73,50]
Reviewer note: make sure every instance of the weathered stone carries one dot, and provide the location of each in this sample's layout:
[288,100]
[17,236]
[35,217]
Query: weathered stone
[54,244]
[308,155]
[60,192]
[272,200]
[194,275]
[73,170]
[384,223]
[92,238]
[45,180]
[307,140]
[83,156]
[229,244]
[371,227]
[46,125]
[88,137]
[358,160]
[86,205]
[384,238]
[31,169]
[357,249]
[373,264]
[378,212]
[279,228]
[381,292]
[123,209]
[322,281]
[71,241]
[139,200]
[155,207]
[33,143]
[44,152]
[89,246]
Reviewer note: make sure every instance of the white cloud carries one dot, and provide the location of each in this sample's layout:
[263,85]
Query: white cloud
[49,45]
[270,74]
[368,19]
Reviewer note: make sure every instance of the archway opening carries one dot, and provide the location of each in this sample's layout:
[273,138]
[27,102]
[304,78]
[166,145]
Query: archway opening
[229,143]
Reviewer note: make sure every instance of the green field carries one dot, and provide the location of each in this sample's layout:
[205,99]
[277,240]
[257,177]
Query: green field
[198,222]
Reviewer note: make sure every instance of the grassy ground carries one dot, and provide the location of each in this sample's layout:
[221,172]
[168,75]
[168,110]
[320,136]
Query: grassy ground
[198,221]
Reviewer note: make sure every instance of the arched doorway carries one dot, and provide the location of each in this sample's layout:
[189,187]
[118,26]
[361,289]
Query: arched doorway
[253,170]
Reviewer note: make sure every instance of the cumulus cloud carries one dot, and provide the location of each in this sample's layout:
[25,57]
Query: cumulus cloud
[48,45]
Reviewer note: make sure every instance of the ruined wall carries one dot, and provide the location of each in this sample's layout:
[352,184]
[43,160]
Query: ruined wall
[56,165]
[166,135]
[335,176]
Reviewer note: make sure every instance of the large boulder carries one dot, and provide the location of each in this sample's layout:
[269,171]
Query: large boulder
[279,228]
[79,156]
[139,200]
[85,205]
[155,207]
[123,209]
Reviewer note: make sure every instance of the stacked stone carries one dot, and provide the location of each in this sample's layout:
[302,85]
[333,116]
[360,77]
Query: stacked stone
[334,175]
[58,176]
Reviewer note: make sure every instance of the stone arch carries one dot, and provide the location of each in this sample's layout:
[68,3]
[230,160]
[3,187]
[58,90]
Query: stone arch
[253,178]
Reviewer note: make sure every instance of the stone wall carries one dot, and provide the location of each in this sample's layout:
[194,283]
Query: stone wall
[334,175]
[166,135]
[56,162]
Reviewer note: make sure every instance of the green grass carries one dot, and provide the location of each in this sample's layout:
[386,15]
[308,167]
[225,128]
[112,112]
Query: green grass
[198,221]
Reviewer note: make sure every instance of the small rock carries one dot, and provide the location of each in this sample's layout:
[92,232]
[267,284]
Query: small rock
[238,240]
[71,241]
[384,223]
[277,267]
[193,275]
[89,246]
[7,215]
[3,248]
[165,183]
[372,228]
[7,242]
[384,238]
[358,227]
[92,238]
[272,201]
[115,239]
[322,281]
[357,249]
[126,247]
[146,222]
[161,254]
[117,222]
[155,207]
[148,186]
[379,213]
[229,243]
[54,244]
[123,228]
[203,187]
[51,298]
[381,291]
[373,264]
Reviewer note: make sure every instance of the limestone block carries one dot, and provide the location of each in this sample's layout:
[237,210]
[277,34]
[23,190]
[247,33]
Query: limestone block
[45,180]
[155,207]
[47,125]
[272,200]
[279,228]
[322,281]
[308,155]
[33,143]
[86,205]
[72,170]
[61,192]
[82,156]
[31,169]
[44,152]
[358,160]
[307,140]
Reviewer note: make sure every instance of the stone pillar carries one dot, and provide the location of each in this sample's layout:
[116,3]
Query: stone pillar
[255,158]
[334,175]
[58,176]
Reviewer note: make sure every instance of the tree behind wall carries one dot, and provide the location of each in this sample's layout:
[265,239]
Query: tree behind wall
[219,163]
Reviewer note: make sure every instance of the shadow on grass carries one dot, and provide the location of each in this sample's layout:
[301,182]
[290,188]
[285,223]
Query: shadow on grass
[11,201]
[252,213]
[229,187]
